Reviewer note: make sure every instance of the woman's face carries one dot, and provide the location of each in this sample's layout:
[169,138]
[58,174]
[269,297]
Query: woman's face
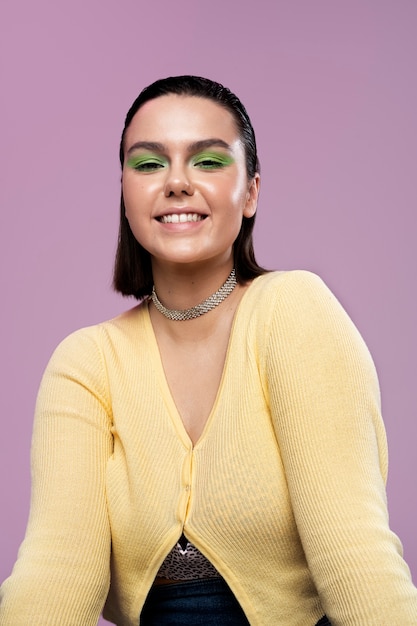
[184,181]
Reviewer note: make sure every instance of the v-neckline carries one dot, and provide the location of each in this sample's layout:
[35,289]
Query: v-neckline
[163,381]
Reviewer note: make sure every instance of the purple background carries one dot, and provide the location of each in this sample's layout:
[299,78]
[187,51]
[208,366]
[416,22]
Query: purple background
[331,89]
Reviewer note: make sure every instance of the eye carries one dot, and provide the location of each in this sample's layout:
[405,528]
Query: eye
[211,160]
[146,163]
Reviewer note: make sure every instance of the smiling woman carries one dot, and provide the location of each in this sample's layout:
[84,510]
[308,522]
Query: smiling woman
[215,455]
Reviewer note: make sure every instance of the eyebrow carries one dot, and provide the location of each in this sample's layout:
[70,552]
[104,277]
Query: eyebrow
[203,144]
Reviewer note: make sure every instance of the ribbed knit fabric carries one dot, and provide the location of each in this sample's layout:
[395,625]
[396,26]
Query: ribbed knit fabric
[284,492]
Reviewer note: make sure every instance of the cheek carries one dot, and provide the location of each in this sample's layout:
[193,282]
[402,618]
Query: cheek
[141,188]
[239,189]
[134,194]
[127,192]
[232,191]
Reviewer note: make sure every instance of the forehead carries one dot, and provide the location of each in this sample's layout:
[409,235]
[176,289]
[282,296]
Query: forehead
[181,119]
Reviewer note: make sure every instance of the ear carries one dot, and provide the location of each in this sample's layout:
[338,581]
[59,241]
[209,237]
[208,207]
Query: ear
[252,196]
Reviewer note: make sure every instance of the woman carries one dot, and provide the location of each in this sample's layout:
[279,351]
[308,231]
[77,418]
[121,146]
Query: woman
[215,455]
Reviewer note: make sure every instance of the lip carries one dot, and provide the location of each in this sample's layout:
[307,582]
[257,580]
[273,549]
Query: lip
[181,226]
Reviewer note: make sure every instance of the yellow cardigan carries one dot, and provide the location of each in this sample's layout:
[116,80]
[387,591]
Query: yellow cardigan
[284,492]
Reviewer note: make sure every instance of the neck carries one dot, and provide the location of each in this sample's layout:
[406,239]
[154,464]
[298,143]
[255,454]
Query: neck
[183,287]
[206,306]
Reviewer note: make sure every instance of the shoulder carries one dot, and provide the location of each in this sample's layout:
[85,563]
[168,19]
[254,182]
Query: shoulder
[290,293]
[89,344]
[305,322]
[289,281]
[298,310]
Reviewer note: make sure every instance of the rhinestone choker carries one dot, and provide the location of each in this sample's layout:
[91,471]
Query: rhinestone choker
[204,307]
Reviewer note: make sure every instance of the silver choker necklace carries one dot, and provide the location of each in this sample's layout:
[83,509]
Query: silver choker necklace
[204,307]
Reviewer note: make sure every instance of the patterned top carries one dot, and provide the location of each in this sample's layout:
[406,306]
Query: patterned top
[186,562]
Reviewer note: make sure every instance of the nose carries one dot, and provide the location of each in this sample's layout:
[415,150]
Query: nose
[178,182]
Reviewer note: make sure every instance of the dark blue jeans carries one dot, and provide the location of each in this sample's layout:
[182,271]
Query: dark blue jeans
[206,602]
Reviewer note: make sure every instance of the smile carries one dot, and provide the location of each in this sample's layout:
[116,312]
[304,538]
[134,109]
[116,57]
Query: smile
[181,218]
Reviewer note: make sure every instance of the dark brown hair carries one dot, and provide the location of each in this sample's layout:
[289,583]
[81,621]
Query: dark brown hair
[133,270]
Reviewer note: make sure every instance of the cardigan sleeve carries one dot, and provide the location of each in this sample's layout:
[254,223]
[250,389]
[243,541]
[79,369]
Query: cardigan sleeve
[62,572]
[325,404]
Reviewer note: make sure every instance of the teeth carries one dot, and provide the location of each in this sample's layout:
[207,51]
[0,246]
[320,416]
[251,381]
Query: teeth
[181,218]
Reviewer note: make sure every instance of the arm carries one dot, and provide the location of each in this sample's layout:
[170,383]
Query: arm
[62,572]
[325,402]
